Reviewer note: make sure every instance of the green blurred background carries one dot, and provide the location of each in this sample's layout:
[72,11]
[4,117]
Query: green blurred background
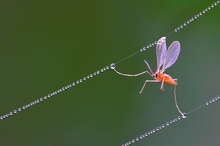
[46,45]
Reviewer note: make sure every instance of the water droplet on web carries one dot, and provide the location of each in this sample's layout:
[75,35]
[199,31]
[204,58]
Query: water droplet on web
[112,66]
[184,115]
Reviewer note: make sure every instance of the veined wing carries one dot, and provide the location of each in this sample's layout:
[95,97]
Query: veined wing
[172,55]
[161,49]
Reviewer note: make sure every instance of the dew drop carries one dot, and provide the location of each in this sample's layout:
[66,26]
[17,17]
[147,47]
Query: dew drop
[184,115]
[176,119]
[146,134]
[171,121]
[112,66]
[213,99]
[207,103]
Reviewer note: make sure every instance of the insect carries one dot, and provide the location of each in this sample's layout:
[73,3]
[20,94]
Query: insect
[165,59]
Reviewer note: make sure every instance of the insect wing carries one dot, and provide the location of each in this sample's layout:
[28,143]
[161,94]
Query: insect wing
[161,52]
[172,55]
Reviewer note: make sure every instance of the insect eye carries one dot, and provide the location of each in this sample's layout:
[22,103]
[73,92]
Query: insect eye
[155,75]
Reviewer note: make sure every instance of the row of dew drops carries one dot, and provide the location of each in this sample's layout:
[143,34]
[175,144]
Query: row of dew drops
[184,24]
[54,93]
[169,122]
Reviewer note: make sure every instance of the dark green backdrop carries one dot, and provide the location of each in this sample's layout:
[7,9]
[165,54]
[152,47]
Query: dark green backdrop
[48,44]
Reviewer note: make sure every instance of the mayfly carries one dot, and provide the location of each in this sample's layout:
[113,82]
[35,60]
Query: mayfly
[165,59]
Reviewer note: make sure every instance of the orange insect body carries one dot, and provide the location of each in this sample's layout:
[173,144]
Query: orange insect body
[164,77]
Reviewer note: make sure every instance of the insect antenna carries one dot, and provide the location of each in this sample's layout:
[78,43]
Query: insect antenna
[148,67]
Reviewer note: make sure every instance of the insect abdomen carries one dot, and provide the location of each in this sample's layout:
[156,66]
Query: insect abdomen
[169,80]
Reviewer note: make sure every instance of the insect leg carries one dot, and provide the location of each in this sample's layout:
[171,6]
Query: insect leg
[145,84]
[131,75]
[161,87]
[176,101]
[175,80]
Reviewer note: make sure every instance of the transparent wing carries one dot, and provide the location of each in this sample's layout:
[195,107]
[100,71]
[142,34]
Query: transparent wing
[161,49]
[172,55]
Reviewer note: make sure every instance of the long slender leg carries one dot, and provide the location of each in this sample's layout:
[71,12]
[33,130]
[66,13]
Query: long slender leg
[145,84]
[129,75]
[176,101]
[161,87]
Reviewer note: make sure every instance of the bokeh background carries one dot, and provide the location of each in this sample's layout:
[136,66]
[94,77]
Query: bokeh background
[46,45]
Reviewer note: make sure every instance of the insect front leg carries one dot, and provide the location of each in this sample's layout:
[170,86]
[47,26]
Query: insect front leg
[145,84]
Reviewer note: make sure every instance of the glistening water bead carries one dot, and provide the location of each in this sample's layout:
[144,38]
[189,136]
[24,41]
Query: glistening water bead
[15,111]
